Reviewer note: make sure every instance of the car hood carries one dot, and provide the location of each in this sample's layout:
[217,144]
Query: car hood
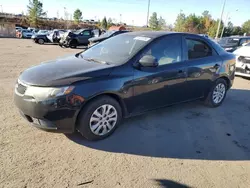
[64,71]
[243,51]
[96,39]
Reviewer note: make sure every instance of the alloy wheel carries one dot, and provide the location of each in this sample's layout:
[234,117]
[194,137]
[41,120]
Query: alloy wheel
[219,93]
[103,120]
[40,41]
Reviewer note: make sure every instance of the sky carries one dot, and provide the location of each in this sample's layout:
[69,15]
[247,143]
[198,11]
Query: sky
[135,11]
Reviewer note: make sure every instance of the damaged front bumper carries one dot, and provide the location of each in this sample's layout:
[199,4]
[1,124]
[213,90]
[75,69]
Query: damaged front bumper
[242,66]
[64,42]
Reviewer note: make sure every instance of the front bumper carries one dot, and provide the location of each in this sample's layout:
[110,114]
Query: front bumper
[64,42]
[54,115]
[242,66]
[242,72]
[41,124]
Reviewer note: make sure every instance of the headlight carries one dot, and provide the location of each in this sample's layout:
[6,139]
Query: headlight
[47,92]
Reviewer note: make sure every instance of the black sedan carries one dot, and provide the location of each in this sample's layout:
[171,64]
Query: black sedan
[77,38]
[120,77]
[95,40]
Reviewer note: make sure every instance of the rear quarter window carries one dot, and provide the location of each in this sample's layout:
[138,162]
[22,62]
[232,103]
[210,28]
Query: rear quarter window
[217,47]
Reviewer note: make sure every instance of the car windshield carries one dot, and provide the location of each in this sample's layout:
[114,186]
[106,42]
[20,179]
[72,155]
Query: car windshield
[108,33]
[116,50]
[229,41]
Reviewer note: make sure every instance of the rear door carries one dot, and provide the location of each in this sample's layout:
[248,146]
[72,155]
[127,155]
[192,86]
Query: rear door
[203,64]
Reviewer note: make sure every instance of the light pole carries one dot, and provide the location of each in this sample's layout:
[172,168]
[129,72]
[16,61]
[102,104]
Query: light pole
[66,16]
[1,8]
[148,11]
[222,11]
[224,25]
[227,18]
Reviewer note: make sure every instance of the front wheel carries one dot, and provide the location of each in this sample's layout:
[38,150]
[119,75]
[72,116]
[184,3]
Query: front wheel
[40,41]
[73,44]
[217,93]
[99,118]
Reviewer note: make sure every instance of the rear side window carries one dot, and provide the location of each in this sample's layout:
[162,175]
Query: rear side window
[198,49]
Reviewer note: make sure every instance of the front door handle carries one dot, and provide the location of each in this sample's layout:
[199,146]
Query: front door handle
[181,72]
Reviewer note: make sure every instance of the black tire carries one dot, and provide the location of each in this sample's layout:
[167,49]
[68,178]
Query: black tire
[73,43]
[209,101]
[40,41]
[83,121]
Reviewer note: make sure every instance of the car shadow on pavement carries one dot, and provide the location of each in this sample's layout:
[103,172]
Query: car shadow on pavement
[186,131]
[169,184]
[51,44]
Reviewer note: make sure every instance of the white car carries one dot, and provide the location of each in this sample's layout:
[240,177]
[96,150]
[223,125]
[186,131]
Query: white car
[26,33]
[243,61]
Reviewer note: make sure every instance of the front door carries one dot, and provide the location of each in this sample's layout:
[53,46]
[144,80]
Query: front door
[163,85]
[84,37]
[202,64]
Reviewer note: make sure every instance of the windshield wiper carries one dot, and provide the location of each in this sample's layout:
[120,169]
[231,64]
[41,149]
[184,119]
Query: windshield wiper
[95,60]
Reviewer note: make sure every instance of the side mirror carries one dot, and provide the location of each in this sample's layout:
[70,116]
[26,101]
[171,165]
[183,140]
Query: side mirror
[148,61]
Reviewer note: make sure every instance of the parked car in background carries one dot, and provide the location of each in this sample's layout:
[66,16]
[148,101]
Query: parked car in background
[108,34]
[51,37]
[25,33]
[18,28]
[77,38]
[40,32]
[33,29]
[121,77]
[243,61]
[230,44]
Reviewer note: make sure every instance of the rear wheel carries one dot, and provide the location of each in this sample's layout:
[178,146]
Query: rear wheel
[99,118]
[217,93]
[40,41]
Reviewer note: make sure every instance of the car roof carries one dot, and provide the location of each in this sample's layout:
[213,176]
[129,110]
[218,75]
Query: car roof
[237,37]
[156,34]
[83,29]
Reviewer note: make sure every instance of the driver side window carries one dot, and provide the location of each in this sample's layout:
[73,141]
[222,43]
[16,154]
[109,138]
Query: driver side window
[166,50]
[85,33]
